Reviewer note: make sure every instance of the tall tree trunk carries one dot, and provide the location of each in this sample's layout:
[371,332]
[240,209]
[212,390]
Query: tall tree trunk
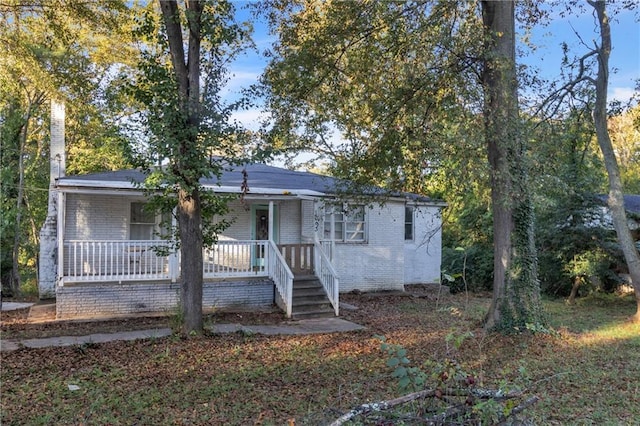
[577,282]
[616,196]
[516,290]
[191,261]
[15,273]
[189,211]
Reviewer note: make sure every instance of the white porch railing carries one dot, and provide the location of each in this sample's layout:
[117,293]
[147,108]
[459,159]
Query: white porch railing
[281,275]
[115,260]
[127,260]
[233,258]
[328,246]
[327,275]
[299,257]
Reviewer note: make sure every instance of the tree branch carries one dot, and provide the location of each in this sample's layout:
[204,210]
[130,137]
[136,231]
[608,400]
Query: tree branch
[431,393]
[171,18]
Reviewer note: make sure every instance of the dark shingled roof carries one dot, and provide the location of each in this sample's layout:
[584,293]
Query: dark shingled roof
[259,176]
[631,202]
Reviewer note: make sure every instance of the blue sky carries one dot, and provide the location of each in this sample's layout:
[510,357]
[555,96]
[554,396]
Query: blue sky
[547,57]
[580,29]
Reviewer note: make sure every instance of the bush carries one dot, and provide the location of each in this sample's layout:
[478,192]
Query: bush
[473,265]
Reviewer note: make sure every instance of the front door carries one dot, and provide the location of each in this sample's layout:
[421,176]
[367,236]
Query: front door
[260,230]
[261,224]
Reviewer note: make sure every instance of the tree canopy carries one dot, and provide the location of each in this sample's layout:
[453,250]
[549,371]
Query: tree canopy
[56,50]
[184,131]
[412,87]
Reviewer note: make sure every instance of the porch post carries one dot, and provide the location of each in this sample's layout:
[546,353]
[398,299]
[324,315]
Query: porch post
[61,219]
[333,233]
[174,264]
[271,209]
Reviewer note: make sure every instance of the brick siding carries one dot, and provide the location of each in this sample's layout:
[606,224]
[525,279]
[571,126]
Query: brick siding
[111,299]
[422,256]
[377,264]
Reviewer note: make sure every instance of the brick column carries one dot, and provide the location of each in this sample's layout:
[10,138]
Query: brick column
[48,260]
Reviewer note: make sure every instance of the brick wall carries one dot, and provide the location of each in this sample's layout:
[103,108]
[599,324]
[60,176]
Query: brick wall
[240,228]
[307,211]
[94,300]
[422,256]
[98,217]
[377,264]
[287,221]
[290,229]
[106,217]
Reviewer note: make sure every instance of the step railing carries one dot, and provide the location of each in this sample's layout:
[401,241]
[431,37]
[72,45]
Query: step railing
[327,275]
[282,277]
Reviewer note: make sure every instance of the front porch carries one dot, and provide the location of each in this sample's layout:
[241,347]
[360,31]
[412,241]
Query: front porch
[142,275]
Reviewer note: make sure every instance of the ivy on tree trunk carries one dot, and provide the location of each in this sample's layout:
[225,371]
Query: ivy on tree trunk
[516,290]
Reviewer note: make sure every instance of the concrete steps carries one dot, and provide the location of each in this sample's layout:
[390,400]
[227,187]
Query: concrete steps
[310,299]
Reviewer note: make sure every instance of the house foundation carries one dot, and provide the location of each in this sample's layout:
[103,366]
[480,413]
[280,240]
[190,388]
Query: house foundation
[111,299]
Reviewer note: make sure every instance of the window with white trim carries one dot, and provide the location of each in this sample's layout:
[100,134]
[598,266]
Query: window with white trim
[142,225]
[408,223]
[345,223]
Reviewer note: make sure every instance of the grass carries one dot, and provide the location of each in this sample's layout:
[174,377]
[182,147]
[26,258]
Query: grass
[586,374]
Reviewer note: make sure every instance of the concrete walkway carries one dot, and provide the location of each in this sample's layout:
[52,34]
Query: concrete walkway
[309,326]
[13,306]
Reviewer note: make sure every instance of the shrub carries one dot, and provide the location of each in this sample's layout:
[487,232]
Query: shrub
[473,265]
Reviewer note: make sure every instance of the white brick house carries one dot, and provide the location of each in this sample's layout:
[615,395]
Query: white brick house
[289,227]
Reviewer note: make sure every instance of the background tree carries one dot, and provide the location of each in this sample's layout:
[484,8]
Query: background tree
[62,50]
[589,73]
[410,87]
[624,130]
[575,251]
[185,125]
[615,200]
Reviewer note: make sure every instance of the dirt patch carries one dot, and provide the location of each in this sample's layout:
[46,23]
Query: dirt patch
[16,325]
[15,315]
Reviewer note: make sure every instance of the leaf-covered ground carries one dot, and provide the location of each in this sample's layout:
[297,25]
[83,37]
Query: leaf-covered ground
[587,374]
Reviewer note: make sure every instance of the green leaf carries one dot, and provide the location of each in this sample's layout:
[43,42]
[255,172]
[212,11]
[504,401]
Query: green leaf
[399,372]
[393,362]
[404,382]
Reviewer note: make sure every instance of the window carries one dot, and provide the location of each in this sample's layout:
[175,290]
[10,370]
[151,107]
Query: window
[345,223]
[408,223]
[142,224]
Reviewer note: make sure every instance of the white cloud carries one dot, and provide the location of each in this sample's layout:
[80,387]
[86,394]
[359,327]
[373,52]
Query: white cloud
[250,118]
[622,94]
[238,80]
